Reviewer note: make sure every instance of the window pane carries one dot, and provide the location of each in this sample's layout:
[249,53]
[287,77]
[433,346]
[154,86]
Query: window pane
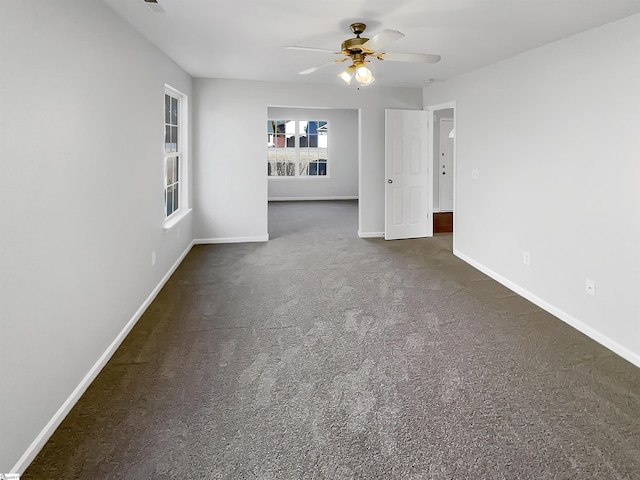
[176,198]
[290,154]
[291,169]
[281,126]
[167,139]
[174,111]
[171,178]
[169,197]
[312,160]
[271,161]
[177,169]
[304,160]
[174,139]
[167,109]
[279,162]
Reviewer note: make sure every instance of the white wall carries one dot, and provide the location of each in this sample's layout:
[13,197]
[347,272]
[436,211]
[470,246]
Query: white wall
[342,178]
[82,201]
[555,135]
[229,173]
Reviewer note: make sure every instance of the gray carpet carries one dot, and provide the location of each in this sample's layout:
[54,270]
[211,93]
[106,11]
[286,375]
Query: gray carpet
[319,355]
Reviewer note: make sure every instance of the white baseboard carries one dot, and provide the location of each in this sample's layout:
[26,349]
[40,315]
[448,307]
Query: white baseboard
[298,199]
[66,407]
[579,325]
[362,234]
[205,241]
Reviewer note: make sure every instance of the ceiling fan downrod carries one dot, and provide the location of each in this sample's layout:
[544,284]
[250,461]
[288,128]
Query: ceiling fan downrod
[354,44]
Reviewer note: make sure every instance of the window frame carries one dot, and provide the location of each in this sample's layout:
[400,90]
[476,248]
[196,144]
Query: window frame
[181,153]
[298,133]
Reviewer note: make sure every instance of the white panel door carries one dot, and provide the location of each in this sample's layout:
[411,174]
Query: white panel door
[408,201]
[445,174]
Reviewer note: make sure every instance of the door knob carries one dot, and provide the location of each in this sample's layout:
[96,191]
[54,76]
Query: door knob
[389,181]
[444,173]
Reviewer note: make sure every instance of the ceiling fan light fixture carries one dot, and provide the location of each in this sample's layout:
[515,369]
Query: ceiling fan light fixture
[363,74]
[369,82]
[347,74]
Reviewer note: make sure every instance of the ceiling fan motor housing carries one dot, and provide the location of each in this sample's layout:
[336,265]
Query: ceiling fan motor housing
[354,44]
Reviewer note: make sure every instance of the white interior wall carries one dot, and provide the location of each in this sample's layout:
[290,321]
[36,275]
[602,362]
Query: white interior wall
[342,152]
[81,170]
[437,115]
[230,178]
[554,134]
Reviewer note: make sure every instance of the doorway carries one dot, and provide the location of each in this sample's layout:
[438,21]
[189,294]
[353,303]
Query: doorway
[442,152]
[311,156]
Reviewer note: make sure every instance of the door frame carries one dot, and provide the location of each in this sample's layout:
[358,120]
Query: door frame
[432,109]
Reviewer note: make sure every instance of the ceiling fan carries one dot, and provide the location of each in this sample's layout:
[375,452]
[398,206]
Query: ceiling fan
[360,50]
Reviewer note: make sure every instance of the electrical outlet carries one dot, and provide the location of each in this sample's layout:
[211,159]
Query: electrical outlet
[590,286]
[526,258]
[153,258]
[475,174]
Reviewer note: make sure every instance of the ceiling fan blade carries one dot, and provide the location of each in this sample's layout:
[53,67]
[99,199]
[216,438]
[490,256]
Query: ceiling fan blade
[317,67]
[409,57]
[380,40]
[311,49]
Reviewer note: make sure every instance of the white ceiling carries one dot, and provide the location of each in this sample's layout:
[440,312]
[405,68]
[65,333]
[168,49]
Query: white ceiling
[245,39]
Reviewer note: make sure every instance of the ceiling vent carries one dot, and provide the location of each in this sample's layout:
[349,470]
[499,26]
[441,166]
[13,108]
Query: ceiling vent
[154,6]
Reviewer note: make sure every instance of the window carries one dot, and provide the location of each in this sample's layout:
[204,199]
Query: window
[174,151]
[297,148]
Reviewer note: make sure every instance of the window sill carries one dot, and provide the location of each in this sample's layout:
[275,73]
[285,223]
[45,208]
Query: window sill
[172,221]
[300,177]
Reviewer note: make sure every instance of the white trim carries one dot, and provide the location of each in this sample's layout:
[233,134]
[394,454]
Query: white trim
[206,241]
[442,106]
[30,454]
[370,234]
[175,218]
[437,210]
[297,199]
[579,325]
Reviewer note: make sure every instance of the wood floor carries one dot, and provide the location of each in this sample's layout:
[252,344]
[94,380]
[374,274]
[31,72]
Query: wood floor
[443,222]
